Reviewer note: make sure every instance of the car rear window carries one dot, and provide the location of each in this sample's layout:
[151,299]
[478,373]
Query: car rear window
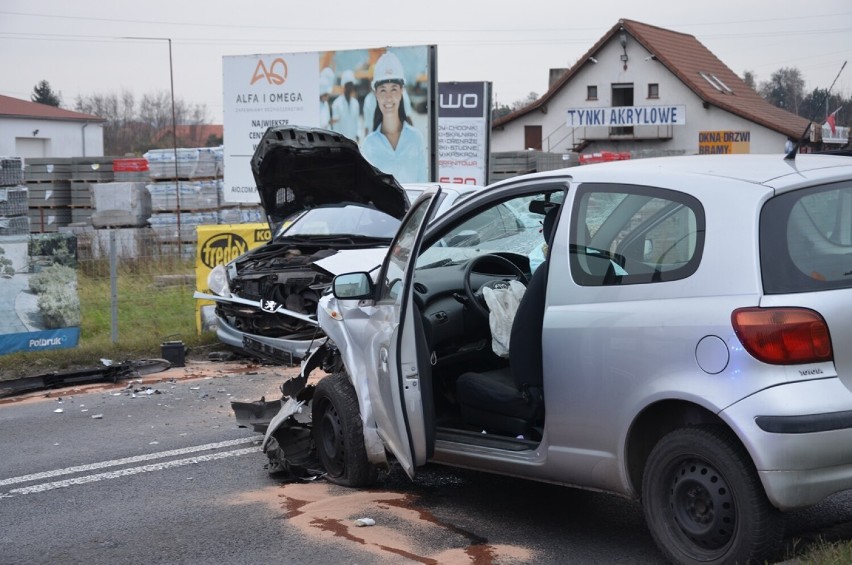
[806,240]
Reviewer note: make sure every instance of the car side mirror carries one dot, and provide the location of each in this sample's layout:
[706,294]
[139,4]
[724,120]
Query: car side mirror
[352,286]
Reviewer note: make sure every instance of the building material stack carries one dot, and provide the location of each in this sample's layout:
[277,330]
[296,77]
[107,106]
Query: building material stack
[507,164]
[48,181]
[86,174]
[184,194]
[124,203]
[14,206]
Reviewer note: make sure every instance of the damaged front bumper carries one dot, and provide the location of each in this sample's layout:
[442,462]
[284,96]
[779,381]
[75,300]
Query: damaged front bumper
[286,423]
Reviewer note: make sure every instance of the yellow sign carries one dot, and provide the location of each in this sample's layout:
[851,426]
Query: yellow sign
[723,142]
[218,245]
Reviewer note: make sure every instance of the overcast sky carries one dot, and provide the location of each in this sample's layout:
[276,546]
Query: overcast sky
[81,47]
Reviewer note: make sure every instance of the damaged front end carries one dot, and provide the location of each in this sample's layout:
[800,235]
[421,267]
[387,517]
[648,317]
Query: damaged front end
[286,423]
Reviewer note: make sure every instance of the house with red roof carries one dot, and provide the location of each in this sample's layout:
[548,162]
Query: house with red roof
[29,129]
[648,91]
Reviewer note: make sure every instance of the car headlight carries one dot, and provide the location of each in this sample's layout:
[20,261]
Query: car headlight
[217,281]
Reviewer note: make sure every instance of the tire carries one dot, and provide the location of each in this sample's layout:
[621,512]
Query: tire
[338,434]
[704,503]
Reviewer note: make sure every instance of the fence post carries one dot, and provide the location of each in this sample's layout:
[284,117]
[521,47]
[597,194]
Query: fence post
[113,286]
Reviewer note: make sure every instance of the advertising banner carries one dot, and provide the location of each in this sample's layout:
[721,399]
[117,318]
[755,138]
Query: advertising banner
[464,129]
[334,90]
[627,116]
[218,245]
[39,305]
[723,142]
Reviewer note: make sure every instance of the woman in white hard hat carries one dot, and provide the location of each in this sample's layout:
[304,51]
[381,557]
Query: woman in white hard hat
[345,109]
[394,146]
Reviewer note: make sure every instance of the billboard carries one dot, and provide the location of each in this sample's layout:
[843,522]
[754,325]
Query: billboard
[723,142]
[39,306]
[464,129]
[335,90]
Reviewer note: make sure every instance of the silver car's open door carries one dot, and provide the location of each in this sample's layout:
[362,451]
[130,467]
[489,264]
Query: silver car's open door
[395,384]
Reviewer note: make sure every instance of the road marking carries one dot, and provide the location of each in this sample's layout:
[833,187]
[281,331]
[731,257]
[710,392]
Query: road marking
[126,461]
[128,472]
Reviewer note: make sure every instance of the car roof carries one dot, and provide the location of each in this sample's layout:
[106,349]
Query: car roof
[772,171]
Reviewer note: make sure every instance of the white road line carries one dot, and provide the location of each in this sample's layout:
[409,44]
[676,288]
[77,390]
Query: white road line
[126,461]
[128,472]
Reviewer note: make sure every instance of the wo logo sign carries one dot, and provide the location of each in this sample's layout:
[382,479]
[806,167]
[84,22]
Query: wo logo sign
[274,73]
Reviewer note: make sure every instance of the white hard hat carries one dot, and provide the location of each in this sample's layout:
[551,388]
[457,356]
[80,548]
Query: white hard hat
[326,81]
[388,68]
[347,76]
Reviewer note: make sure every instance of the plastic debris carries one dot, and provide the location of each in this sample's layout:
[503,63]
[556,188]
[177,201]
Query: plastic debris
[97,416]
[361,522]
[58,411]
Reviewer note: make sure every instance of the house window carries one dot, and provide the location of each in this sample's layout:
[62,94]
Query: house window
[592,92]
[653,90]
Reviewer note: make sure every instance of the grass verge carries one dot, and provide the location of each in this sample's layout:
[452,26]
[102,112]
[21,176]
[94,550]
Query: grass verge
[153,305]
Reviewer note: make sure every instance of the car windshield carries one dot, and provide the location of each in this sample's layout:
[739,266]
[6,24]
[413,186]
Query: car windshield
[347,220]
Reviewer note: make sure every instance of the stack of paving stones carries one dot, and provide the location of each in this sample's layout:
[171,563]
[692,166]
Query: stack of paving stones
[48,181]
[185,193]
[86,173]
[126,201]
[14,205]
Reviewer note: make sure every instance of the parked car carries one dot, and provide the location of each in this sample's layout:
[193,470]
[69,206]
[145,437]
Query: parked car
[685,342]
[329,211]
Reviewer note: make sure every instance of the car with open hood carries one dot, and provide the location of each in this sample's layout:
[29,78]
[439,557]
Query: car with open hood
[321,198]
[685,342]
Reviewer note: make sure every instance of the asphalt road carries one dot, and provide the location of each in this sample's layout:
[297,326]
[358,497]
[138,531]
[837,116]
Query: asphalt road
[163,475]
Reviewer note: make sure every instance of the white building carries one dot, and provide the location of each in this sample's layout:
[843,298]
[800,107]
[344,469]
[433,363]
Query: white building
[648,91]
[28,129]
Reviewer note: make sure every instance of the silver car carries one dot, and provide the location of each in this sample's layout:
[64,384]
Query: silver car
[683,338]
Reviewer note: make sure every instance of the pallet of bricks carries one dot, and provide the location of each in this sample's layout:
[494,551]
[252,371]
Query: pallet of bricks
[87,173]
[185,187]
[48,181]
[14,206]
[121,206]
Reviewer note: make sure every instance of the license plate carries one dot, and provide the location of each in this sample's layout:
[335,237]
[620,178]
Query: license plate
[266,350]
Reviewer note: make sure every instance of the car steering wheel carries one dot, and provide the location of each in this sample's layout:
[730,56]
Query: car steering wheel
[476,298]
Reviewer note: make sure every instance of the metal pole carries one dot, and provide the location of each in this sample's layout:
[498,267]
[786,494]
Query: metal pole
[174,129]
[113,286]
[174,144]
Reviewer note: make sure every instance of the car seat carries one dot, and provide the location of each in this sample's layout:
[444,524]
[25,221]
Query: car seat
[510,400]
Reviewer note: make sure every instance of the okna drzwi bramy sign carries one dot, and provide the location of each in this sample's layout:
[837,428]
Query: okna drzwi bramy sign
[723,142]
[627,116]
[464,128]
[330,90]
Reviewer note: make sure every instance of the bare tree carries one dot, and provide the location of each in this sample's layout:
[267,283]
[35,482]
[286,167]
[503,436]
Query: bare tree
[133,128]
[784,89]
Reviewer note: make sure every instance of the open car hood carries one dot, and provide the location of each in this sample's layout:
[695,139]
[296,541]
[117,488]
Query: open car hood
[299,168]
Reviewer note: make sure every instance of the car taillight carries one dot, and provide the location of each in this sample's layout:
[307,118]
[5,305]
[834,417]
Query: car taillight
[783,336]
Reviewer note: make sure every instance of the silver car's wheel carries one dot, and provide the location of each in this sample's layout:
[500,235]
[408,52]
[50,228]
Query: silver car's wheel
[338,434]
[704,502]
